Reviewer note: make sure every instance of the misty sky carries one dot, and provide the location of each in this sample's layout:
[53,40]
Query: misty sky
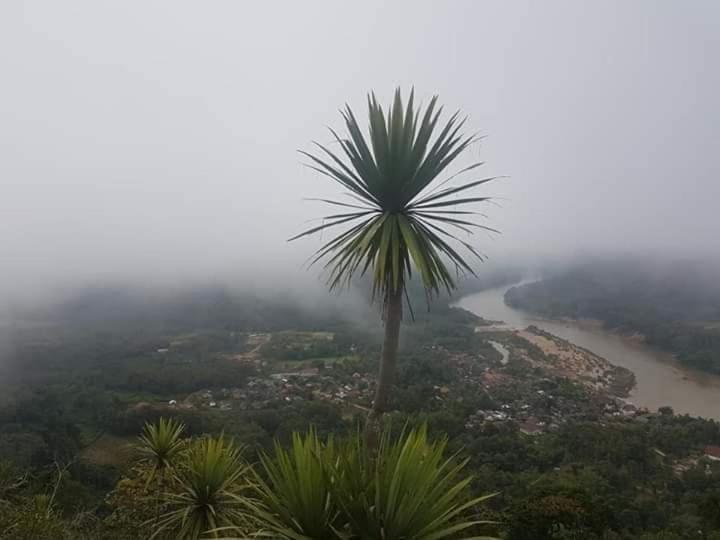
[157,140]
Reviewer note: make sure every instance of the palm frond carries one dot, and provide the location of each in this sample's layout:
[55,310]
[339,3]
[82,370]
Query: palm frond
[394,172]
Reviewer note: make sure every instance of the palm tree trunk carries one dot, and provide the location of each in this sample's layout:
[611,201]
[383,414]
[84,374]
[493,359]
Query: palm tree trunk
[393,317]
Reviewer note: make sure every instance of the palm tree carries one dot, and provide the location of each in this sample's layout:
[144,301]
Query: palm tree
[209,496]
[160,446]
[398,212]
[161,443]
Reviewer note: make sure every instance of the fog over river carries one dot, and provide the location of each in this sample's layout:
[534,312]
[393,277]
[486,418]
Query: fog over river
[660,379]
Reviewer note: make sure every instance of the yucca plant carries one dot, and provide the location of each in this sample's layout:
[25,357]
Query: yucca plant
[211,492]
[160,446]
[295,490]
[399,213]
[161,443]
[408,490]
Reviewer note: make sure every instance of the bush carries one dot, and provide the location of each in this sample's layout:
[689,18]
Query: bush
[407,490]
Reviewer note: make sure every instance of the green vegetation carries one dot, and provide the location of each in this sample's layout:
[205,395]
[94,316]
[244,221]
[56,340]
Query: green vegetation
[161,443]
[400,221]
[249,410]
[332,491]
[592,476]
[299,346]
[295,489]
[408,490]
[623,479]
[206,493]
[313,490]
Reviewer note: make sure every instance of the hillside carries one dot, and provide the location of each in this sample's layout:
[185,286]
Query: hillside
[543,422]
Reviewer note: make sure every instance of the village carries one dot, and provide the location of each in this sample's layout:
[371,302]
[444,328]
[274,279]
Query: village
[529,378]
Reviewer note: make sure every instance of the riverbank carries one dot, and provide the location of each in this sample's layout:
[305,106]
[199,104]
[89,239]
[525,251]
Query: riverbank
[580,364]
[674,314]
[660,381]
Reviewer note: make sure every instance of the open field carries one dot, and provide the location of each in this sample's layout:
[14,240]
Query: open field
[110,450]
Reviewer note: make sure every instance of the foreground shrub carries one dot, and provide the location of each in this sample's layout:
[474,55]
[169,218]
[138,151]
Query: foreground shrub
[161,443]
[314,489]
[407,490]
[296,489]
[210,486]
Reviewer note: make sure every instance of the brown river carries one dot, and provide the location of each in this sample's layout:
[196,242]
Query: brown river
[660,379]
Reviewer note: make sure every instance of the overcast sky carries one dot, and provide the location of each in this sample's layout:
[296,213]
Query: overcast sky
[158,139]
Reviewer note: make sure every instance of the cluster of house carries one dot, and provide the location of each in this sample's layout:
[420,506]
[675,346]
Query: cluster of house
[219,399]
[527,422]
[709,457]
[533,420]
[310,384]
[620,408]
[533,409]
[262,392]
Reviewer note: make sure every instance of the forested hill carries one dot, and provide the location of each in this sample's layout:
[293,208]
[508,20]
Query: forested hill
[676,307]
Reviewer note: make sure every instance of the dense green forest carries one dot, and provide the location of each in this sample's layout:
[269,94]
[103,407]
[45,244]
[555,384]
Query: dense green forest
[76,396]
[675,307]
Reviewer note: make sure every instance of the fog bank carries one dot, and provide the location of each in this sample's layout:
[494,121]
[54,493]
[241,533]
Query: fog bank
[156,143]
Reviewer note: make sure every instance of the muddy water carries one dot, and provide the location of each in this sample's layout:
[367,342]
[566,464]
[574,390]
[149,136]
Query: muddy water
[660,379]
